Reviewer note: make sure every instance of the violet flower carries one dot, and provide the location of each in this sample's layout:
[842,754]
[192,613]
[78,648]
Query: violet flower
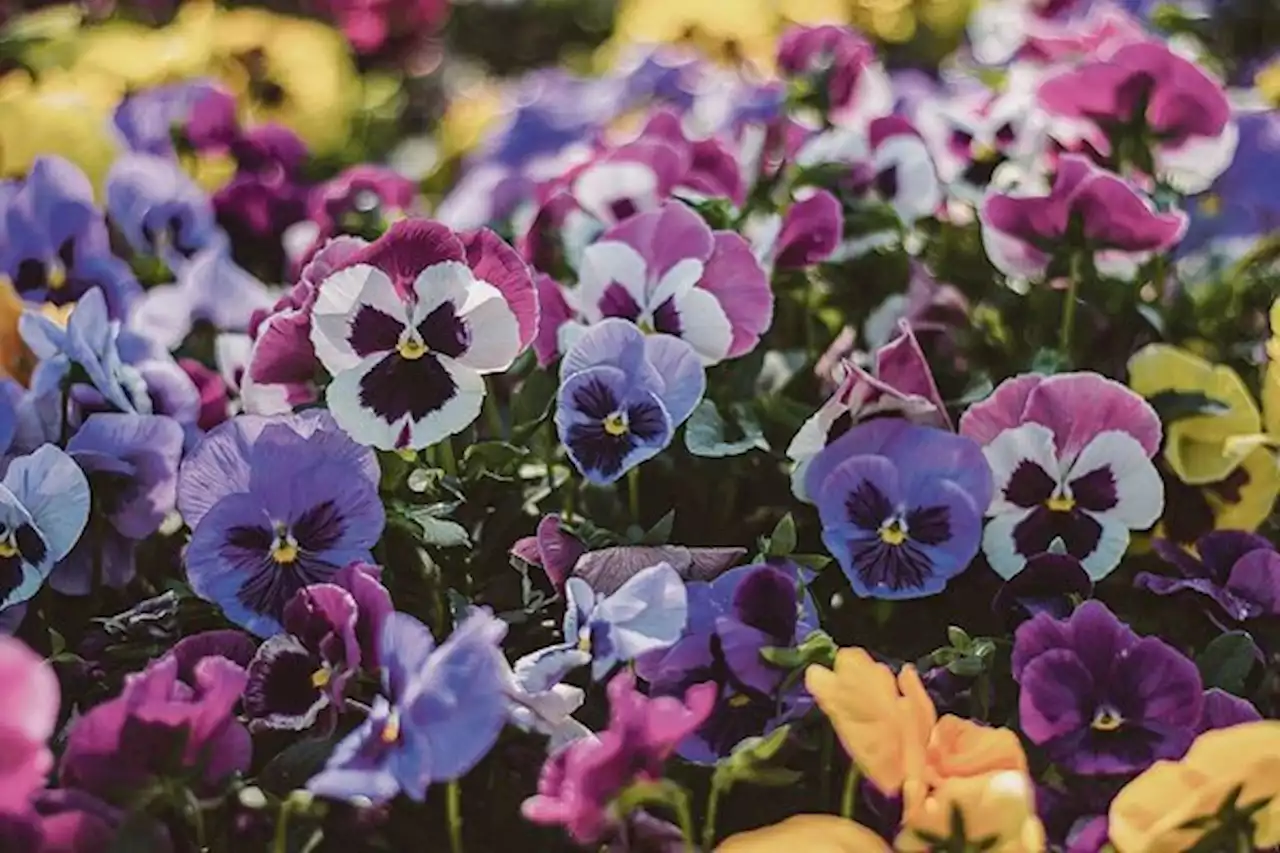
[361,200]
[842,63]
[66,820]
[731,620]
[444,708]
[1051,583]
[44,506]
[809,232]
[158,209]
[373,606]
[215,395]
[1238,572]
[132,465]
[1098,698]
[622,395]
[275,504]
[551,549]
[578,783]
[160,727]
[410,325]
[668,272]
[267,194]
[901,506]
[53,240]
[369,26]
[1071,457]
[236,646]
[1088,210]
[1144,95]
[30,694]
[200,110]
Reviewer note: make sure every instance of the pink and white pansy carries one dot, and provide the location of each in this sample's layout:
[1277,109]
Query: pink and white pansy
[410,324]
[1071,456]
[668,271]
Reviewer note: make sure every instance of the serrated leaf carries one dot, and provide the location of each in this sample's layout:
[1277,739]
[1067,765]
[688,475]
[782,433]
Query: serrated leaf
[1177,405]
[782,541]
[294,765]
[1227,661]
[709,435]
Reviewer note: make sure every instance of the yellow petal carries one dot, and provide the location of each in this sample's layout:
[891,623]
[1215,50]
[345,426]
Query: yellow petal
[810,834]
[1257,496]
[997,805]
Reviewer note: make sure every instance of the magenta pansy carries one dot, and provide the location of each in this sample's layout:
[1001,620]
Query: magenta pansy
[29,692]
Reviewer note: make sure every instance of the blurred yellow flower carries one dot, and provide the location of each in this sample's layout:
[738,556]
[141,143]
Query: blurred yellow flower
[1267,81]
[16,361]
[741,30]
[999,812]
[472,112]
[1271,379]
[140,56]
[64,113]
[810,833]
[1150,814]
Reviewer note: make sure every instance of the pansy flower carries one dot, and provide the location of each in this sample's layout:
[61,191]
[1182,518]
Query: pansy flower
[1098,698]
[275,504]
[44,506]
[731,619]
[361,200]
[1146,94]
[845,64]
[647,612]
[902,386]
[409,326]
[901,506]
[442,711]
[1071,458]
[667,271]
[622,395]
[159,210]
[1237,571]
[1088,209]
[29,689]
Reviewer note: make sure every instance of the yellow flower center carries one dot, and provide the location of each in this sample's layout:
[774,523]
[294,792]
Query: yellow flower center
[412,349]
[893,533]
[1061,503]
[7,548]
[740,700]
[645,324]
[1107,720]
[616,424]
[320,678]
[408,454]
[284,551]
[983,152]
[391,728]
[1211,204]
[56,276]
[584,643]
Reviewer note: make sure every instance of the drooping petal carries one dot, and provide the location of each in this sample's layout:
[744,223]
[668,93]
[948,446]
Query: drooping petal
[647,612]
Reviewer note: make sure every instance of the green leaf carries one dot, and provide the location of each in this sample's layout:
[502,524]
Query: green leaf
[498,459]
[1227,661]
[709,435]
[532,403]
[1049,361]
[660,533]
[750,762]
[969,667]
[292,767]
[1177,405]
[443,533]
[817,562]
[782,541]
[959,638]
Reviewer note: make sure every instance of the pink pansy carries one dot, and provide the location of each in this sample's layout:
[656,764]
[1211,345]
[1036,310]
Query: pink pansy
[361,200]
[902,386]
[1101,32]
[1118,225]
[810,231]
[551,549]
[668,272]
[857,87]
[371,24]
[1071,457]
[409,325]
[29,694]
[1146,92]
[999,29]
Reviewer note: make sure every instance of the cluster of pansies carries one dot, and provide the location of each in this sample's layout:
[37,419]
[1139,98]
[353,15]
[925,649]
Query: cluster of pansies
[787,438]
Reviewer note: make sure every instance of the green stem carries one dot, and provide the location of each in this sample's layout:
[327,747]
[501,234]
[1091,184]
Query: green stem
[570,489]
[280,842]
[709,822]
[491,414]
[633,494]
[447,459]
[197,820]
[850,792]
[1069,305]
[454,804]
[684,816]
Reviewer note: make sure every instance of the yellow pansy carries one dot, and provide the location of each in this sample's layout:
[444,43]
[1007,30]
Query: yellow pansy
[1203,448]
[1267,82]
[730,31]
[472,112]
[1271,379]
[141,56]
[64,113]
[811,833]
[997,807]
[16,360]
[1150,813]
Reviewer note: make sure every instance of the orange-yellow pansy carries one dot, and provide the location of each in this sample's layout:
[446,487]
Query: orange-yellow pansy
[15,361]
[997,807]
[1150,813]
[810,833]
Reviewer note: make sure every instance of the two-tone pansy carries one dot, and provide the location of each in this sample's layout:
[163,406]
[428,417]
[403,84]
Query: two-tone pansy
[409,326]
[1071,457]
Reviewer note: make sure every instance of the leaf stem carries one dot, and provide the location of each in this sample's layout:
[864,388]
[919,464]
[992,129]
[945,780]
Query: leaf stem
[447,460]
[849,795]
[453,794]
[713,810]
[1069,304]
[633,494]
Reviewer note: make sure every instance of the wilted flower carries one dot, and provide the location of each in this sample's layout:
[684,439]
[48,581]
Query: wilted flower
[578,783]
[443,710]
[1238,571]
[1100,699]
[901,506]
[1071,457]
[44,506]
[410,324]
[29,691]
[622,395]
[275,504]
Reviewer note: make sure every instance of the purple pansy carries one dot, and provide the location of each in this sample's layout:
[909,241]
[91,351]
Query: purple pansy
[361,200]
[410,325]
[1238,571]
[1098,698]
[215,394]
[132,465]
[202,112]
[66,820]
[44,506]
[373,606]
[622,395]
[809,232]
[53,240]
[275,504]
[667,271]
[442,711]
[901,506]
[730,620]
[159,210]
[578,784]
[1222,710]
[1144,93]
[1050,583]
[647,612]
[160,727]
[268,192]
[845,63]
[1088,209]
[551,549]
[902,386]
[1071,457]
